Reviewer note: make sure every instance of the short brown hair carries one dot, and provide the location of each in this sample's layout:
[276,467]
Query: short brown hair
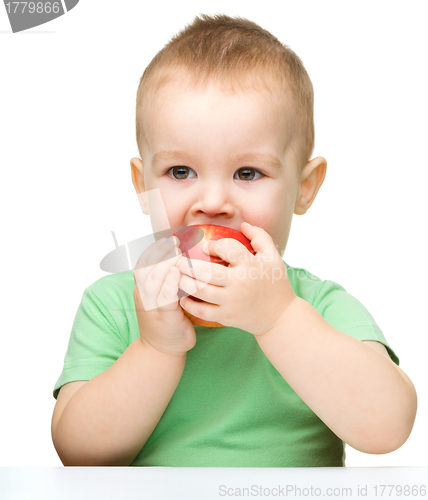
[227,51]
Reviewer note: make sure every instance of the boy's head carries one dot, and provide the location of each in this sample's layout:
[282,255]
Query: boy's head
[228,102]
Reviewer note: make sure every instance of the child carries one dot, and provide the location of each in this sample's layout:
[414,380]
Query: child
[225,133]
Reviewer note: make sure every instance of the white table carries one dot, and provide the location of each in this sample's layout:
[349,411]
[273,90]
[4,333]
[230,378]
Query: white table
[159,483]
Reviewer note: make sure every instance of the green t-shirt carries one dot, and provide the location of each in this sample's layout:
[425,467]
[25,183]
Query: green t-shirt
[231,407]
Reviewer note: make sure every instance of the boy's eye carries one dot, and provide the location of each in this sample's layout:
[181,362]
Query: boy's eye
[246,174]
[181,173]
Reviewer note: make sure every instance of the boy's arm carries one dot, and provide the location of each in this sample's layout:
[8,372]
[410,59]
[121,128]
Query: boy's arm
[109,419]
[360,394]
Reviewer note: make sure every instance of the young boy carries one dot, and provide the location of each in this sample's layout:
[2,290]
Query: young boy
[225,133]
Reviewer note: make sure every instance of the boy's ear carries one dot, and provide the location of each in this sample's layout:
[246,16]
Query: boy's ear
[311,179]
[137,174]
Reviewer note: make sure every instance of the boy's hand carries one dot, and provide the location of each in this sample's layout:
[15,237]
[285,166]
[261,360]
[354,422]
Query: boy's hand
[251,294]
[161,321]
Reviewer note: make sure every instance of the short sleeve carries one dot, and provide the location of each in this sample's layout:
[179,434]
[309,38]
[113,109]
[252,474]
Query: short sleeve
[344,312]
[95,341]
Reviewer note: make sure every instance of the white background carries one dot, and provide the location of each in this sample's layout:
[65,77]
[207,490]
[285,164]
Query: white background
[67,132]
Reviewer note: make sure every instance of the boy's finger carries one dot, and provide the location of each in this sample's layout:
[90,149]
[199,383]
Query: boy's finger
[155,281]
[159,255]
[169,292]
[208,272]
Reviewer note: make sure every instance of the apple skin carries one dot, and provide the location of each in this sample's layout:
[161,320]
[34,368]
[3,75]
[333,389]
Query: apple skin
[191,240]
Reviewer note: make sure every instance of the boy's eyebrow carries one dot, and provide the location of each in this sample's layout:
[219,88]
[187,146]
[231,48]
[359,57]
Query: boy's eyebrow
[170,155]
[268,159]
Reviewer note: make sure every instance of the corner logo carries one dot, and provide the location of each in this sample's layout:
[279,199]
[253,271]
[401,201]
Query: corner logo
[25,15]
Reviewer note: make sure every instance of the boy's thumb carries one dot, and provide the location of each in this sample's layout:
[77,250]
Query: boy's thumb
[261,241]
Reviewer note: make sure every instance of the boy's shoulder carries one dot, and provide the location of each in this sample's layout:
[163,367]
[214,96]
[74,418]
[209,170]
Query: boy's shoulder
[308,286]
[114,289]
[114,280]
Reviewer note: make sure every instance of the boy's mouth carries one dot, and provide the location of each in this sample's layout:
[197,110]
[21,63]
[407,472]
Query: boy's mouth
[212,224]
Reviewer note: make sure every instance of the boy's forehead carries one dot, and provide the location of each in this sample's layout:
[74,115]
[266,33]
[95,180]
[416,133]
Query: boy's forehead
[176,92]
[174,97]
[176,110]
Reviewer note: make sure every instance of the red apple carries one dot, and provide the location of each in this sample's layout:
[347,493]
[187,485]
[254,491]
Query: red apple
[191,240]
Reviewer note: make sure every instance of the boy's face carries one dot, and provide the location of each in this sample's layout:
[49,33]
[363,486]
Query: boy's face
[220,159]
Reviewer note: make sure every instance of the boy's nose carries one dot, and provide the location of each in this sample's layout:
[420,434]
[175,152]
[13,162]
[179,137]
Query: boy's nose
[215,200]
